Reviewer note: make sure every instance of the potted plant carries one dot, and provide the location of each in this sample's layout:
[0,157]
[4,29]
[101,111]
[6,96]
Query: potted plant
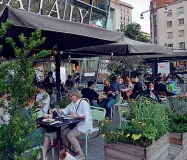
[143,137]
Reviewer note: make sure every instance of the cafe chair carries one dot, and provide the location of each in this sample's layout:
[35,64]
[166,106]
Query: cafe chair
[98,115]
[86,99]
[52,136]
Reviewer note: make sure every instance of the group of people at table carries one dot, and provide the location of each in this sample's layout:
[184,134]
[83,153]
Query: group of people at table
[79,108]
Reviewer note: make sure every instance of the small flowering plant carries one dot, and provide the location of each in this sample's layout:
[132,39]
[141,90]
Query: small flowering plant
[147,123]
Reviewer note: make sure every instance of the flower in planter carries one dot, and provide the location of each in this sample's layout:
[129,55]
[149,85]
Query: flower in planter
[128,135]
[136,136]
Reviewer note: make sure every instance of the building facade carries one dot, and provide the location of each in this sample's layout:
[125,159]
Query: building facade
[169,28]
[90,12]
[120,15]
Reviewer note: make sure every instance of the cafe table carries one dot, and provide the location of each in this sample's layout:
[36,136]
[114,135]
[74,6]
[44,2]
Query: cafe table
[58,126]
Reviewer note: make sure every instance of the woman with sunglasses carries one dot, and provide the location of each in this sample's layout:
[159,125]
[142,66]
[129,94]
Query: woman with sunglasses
[80,109]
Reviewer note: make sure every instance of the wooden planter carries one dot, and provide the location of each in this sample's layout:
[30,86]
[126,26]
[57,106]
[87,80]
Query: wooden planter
[178,138]
[178,145]
[122,151]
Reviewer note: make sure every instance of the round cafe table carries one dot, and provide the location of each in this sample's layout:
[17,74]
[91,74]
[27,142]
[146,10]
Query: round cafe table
[59,125]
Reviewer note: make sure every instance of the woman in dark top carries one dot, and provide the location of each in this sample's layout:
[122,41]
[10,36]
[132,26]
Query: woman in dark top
[37,137]
[138,90]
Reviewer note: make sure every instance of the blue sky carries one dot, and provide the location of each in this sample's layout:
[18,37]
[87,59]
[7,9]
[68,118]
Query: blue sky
[140,6]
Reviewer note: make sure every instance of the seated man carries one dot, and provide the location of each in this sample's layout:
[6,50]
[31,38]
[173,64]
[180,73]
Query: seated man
[160,88]
[171,86]
[43,98]
[115,83]
[90,93]
[111,92]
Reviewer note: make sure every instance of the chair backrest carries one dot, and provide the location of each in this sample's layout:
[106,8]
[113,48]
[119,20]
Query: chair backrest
[97,113]
[178,90]
[86,99]
[39,114]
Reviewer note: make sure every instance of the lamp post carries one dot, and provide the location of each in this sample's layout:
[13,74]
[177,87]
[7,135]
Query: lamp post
[154,65]
[154,9]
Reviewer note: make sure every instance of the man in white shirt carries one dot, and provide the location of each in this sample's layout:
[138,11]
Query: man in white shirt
[43,98]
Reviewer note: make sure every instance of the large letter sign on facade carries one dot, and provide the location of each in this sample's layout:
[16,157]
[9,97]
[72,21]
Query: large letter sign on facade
[55,5]
[19,1]
[71,12]
[82,17]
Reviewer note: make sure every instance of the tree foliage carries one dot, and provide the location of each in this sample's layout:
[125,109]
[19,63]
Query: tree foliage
[133,31]
[16,78]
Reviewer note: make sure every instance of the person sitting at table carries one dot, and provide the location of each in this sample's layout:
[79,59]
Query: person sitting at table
[115,83]
[90,93]
[37,137]
[138,90]
[151,94]
[43,98]
[111,92]
[126,88]
[171,86]
[80,109]
[160,87]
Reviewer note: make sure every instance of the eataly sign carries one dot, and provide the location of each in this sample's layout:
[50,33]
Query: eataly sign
[54,9]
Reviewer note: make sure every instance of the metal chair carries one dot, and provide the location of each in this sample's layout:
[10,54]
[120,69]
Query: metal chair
[98,114]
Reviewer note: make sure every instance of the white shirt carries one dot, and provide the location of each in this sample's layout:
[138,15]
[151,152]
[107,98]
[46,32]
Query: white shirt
[45,101]
[83,110]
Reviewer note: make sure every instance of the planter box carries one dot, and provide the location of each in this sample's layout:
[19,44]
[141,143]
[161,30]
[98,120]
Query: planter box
[178,138]
[122,151]
[178,142]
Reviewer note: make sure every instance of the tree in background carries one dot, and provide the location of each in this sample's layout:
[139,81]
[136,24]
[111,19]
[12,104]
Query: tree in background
[133,31]
[123,65]
[16,79]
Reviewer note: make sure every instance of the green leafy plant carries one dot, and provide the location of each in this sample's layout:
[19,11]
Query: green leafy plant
[177,111]
[63,102]
[148,121]
[16,79]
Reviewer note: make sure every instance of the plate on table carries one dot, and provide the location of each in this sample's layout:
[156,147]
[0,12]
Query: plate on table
[69,117]
[48,120]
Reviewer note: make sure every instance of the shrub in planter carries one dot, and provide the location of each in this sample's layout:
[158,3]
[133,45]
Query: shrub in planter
[177,112]
[143,137]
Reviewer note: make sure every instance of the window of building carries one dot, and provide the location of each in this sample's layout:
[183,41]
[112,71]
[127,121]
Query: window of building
[124,17]
[169,34]
[181,33]
[182,45]
[154,18]
[169,13]
[128,18]
[121,16]
[169,23]
[170,45]
[181,21]
[155,27]
[180,10]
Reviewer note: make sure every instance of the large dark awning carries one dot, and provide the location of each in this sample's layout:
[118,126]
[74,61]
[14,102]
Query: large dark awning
[127,47]
[65,34]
